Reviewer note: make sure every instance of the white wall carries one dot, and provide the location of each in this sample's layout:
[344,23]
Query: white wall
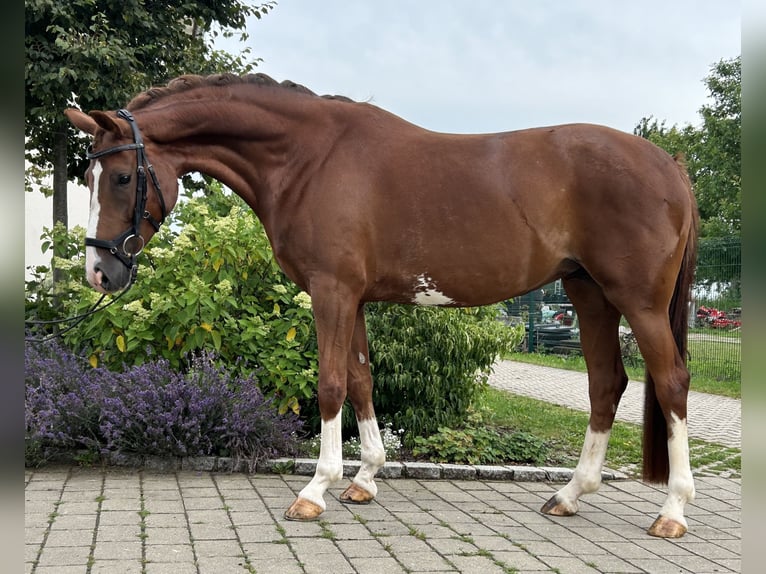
[38,213]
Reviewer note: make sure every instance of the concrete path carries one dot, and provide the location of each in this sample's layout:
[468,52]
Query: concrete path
[134,521]
[711,418]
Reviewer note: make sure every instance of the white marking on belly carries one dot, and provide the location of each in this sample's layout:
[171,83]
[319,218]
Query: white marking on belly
[91,256]
[362,359]
[426,292]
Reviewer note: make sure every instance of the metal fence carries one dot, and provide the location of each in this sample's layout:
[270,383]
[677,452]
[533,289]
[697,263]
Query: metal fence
[714,319]
[716,314]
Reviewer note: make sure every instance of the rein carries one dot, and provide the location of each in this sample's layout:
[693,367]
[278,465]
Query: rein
[76,320]
[119,246]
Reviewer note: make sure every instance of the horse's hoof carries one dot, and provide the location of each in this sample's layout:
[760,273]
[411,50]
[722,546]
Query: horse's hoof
[667,528]
[557,508]
[355,494]
[303,510]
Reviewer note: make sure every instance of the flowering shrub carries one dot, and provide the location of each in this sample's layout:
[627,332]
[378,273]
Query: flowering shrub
[428,364]
[207,281]
[352,447]
[150,409]
[62,399]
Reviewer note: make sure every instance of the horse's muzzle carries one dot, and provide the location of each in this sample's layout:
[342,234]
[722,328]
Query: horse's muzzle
[108,276]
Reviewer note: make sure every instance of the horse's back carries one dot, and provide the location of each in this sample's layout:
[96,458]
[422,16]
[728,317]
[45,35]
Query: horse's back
[481,218]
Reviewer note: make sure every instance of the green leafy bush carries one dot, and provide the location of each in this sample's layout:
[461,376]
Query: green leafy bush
[429,363]
[208,281]
[480,444]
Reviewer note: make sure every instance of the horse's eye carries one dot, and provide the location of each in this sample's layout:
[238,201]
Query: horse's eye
[124,179]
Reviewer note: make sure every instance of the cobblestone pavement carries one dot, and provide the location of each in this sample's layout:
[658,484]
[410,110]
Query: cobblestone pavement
[123,521]
[711,418]
[133,521]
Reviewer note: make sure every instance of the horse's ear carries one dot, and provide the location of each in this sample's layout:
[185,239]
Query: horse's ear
[90,122]
[106,121]
[81,121]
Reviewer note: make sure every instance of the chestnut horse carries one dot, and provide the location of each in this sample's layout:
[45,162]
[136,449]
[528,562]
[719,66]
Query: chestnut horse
[360,205]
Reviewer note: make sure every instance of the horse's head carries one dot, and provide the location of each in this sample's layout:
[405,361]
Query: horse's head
[129,196]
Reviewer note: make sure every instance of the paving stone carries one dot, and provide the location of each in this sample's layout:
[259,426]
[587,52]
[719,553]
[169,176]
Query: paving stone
[557,474]
[476,565]
[198,463]
[379,565]
[167,568]
[525,473]
[424,470]
[432,518]
[424,562]
[174,553]
[391,470]
[492,472]
[458,472]
[121,566]
[64,556]
[305,466]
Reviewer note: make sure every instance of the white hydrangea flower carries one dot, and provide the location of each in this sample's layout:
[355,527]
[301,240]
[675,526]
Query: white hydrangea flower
[136,307]
[224,288]
[303,300]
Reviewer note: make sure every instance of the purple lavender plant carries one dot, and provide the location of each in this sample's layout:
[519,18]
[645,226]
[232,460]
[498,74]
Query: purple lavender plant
[62,399]
[152,409]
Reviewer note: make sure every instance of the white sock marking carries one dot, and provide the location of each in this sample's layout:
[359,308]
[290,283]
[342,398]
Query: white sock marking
[587,474]
[680,480]
[330,463]
[373,455]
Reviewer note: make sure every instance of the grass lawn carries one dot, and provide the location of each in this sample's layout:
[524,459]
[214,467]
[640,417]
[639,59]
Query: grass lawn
[563,430]
[702,384]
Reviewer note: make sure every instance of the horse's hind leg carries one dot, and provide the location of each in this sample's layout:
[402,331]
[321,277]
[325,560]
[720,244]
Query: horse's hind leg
[666,442]
[599,321]
[363,488]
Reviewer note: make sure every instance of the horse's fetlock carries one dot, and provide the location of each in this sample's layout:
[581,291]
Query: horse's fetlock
[333,472]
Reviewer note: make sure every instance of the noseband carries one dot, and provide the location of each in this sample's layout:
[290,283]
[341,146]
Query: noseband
[119,246]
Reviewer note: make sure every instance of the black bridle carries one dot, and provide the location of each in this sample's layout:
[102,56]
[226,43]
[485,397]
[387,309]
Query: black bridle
[119,246]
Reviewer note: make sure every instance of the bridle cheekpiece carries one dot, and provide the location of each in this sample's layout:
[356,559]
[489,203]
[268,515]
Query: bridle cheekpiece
[119,246]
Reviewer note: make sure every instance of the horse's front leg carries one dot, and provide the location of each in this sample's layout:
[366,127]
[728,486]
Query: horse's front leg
[334,315]
[363,488]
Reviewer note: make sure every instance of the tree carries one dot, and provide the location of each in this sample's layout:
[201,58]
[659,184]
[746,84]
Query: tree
[712,150]
[100,53]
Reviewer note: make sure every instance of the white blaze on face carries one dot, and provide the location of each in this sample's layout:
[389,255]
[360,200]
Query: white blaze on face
[426,292]
[91,256]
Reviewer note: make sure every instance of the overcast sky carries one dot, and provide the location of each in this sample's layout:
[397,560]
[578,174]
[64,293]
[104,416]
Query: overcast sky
[492,65]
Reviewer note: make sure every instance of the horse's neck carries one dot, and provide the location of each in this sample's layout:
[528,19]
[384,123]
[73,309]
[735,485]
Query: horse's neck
[248,146]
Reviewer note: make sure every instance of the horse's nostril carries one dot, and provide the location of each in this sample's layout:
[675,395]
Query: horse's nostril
[101,278]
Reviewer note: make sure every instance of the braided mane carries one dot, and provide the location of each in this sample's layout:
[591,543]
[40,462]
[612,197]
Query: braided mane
[191,81]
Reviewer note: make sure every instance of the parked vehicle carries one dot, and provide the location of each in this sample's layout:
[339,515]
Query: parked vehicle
[716,319]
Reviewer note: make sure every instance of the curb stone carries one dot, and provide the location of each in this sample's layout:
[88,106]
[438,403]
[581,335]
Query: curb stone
[395,469]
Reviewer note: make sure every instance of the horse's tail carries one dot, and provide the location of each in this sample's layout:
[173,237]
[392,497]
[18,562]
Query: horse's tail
[655,443]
